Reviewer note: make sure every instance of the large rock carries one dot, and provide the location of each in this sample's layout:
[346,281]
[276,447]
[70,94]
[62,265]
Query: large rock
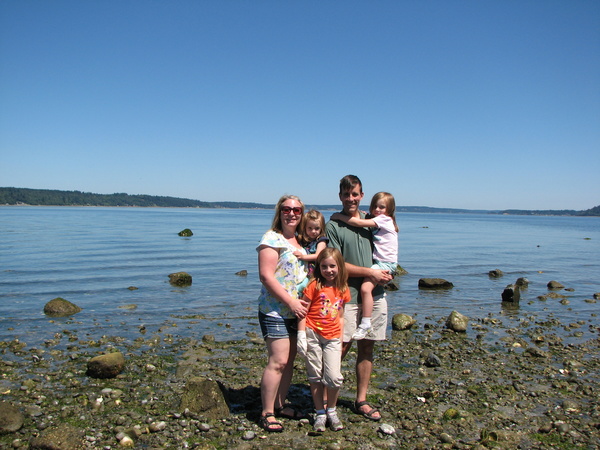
[457,322]
[204,396]
[402,322]
[511,293]
[11,419]
[61,437]
[59,307]
[180,279]
[106,366]
[434,283]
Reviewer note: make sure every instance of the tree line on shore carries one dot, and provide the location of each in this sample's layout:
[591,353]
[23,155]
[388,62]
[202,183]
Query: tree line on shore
[50,197]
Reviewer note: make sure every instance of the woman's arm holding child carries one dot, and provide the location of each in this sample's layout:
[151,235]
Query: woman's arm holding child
[301,341]
[313,257]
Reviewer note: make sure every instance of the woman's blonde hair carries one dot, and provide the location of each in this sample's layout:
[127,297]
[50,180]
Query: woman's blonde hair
[276,225]
[313,214]
[341,281]
[390,205]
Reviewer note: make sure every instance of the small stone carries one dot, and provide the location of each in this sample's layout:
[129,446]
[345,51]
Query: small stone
[496,273]
[157,426]
[249,435]
[570,405]
[126,442]
[203,427]
[387,429]
[242,273]
[446,438]
[432,360]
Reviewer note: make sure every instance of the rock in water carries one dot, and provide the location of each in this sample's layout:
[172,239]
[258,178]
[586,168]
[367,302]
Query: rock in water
[434,283]
[106,366]
[555,285]
[186,233]
[180,279]
[59,307]
[402,322]
[457,322]
[511,293]
[522,282]
[496,273]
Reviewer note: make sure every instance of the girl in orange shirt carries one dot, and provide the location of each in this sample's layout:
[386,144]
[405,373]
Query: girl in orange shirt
[320,335]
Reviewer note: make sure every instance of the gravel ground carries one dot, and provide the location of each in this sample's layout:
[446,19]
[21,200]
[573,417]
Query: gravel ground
[435,389]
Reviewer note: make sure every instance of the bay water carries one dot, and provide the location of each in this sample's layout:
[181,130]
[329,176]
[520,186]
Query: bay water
[91,256]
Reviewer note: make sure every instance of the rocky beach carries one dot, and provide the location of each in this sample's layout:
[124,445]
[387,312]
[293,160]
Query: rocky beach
[435,388]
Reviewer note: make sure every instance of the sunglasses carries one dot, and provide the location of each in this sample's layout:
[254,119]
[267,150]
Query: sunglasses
[287,210]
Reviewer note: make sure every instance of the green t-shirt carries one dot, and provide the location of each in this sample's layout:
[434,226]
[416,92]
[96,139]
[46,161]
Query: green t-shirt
[356,247]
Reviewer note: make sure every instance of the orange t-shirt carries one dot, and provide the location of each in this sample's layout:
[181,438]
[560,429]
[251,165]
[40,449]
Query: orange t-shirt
[324,309]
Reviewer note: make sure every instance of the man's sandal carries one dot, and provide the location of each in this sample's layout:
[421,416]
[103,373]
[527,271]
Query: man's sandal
[295,413]
[370,414]
[271,427]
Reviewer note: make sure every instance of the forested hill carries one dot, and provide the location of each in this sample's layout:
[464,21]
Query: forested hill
[46,197]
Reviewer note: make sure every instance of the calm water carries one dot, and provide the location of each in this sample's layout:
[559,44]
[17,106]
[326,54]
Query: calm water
[90,256]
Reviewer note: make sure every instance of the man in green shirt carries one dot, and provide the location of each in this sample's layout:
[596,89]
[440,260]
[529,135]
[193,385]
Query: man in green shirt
[356,247]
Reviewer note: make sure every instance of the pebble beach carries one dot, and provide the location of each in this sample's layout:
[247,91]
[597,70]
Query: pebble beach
[435,388]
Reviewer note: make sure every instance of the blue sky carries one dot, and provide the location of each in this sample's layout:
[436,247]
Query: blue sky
[459,104]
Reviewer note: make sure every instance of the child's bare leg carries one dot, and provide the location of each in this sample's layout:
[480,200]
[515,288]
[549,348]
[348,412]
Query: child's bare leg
[366,293]
[332,397]
[334,421]
[316,390]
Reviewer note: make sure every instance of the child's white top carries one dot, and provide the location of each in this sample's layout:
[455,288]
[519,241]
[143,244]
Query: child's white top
[385,239]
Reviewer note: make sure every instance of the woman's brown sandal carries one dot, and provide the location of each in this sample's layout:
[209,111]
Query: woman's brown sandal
[271,427]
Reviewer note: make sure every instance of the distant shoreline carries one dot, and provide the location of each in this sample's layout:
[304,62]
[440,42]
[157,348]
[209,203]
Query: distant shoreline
[10,196]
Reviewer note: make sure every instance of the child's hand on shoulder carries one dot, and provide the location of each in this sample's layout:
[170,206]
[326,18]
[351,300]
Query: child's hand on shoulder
[298,254]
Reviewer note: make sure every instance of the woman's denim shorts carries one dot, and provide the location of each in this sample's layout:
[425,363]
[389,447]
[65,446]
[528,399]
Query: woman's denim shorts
[276,327]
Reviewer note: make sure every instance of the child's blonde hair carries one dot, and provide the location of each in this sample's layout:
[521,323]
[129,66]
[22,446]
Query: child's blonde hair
[341,281]
[390,205]
[313,214]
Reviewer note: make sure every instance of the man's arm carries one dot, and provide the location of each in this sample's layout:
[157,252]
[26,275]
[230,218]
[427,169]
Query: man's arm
[376,276]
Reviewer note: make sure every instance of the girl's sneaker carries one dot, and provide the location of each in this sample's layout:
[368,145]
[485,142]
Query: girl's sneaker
[335,424]
[320,424]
